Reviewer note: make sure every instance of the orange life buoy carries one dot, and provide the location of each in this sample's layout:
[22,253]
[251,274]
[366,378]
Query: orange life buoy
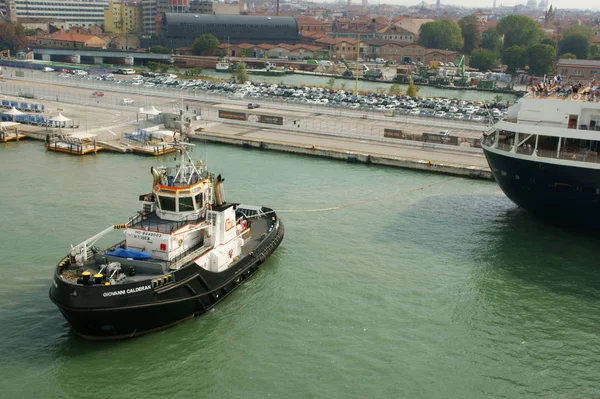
[231,253]
[575,96]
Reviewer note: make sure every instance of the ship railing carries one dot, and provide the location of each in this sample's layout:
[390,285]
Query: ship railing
[579,156]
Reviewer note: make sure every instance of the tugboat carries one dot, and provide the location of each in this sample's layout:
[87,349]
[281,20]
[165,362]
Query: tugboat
[183,252]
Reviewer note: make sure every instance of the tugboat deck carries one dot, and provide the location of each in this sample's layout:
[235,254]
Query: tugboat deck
[151,222]
[152,267]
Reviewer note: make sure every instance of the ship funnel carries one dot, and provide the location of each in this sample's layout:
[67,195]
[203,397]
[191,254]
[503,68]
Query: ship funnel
[218,189]
[156,175]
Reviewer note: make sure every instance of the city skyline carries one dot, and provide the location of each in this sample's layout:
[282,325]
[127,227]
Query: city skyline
[561,4]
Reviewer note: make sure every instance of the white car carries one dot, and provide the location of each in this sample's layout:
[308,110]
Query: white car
[48,69]
[126,101]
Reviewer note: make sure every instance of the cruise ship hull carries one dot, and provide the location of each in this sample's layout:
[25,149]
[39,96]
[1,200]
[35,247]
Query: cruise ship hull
[92,314]
[556,192]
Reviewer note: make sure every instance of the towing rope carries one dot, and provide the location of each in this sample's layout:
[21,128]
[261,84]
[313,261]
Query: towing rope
[335,208]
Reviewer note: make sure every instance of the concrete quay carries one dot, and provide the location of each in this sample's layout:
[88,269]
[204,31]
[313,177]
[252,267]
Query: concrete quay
[421,158]
[338,137]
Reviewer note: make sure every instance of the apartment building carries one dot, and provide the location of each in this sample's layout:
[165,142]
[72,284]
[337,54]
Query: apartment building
[83,13]
[123,17]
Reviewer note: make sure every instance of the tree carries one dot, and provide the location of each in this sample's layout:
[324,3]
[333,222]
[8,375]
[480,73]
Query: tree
[514,58]
[12,37]
[469,27]
[483,59]
[413,89]
[159,50]
[519,30]
[206,44]
[569,56]
[548,41]
[343,85]
[595,52]
[576,30]
[541,59]
[241,75]
[330,82]
[491,40]
[577,44]
[153,66]
[163,67]
[395,89]
[443,34]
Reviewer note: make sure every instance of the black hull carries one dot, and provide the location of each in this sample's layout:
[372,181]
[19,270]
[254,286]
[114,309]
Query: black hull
[193,292]
[557,193]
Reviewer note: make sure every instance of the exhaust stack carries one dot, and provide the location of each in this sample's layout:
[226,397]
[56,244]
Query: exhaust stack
[218,189]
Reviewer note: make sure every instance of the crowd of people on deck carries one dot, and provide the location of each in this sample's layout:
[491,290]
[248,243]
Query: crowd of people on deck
[557,86]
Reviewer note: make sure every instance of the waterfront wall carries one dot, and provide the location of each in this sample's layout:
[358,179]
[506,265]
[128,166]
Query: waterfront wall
[473,172]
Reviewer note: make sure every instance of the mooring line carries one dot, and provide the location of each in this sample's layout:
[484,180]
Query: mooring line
[367,201]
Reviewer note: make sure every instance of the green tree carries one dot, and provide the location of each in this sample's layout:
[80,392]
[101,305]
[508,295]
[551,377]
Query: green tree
[548,41]
[595,52]
[491,40]
[206,44]
[569,56]
[330,82]
[576,44]
[153,66]
[12,37]
[576,30]
[163,67]
[241,75]
[469,27]
[159,50]
[519,30]
[413,89]
[514,58]
[484,59]
[443,34]
[541,59]
[343,85]
[395,89]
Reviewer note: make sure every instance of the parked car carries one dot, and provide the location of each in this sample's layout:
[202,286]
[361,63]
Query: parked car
[126,101]
[48,69]
[98,94]
[445,132]
[253,106]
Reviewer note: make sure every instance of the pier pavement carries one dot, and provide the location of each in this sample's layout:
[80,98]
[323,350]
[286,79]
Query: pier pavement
[334,136]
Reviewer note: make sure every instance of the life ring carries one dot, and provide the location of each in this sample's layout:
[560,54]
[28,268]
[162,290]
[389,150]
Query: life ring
[231,253]
[180,241]
[575,96]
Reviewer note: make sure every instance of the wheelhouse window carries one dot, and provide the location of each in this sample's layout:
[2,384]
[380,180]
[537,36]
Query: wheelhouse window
[186,204]
[198,199]
[167,203]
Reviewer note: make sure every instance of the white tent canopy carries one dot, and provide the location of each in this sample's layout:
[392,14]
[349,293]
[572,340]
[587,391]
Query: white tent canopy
[4,125]
[14,112]
[149,110]
[59,118]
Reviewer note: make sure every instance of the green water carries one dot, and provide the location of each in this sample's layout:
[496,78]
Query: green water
[445,292]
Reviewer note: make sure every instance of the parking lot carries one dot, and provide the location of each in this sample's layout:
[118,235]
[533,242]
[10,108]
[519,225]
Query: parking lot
[469,112]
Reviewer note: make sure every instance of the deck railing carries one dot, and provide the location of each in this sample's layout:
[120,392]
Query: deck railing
[579,156]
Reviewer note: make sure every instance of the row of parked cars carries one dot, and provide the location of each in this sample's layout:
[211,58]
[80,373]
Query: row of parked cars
[390,104]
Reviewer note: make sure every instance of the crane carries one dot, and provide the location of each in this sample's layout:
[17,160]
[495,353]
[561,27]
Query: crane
[460,69]
[348,71]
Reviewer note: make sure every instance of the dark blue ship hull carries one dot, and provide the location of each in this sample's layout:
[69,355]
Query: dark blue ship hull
[558,193]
